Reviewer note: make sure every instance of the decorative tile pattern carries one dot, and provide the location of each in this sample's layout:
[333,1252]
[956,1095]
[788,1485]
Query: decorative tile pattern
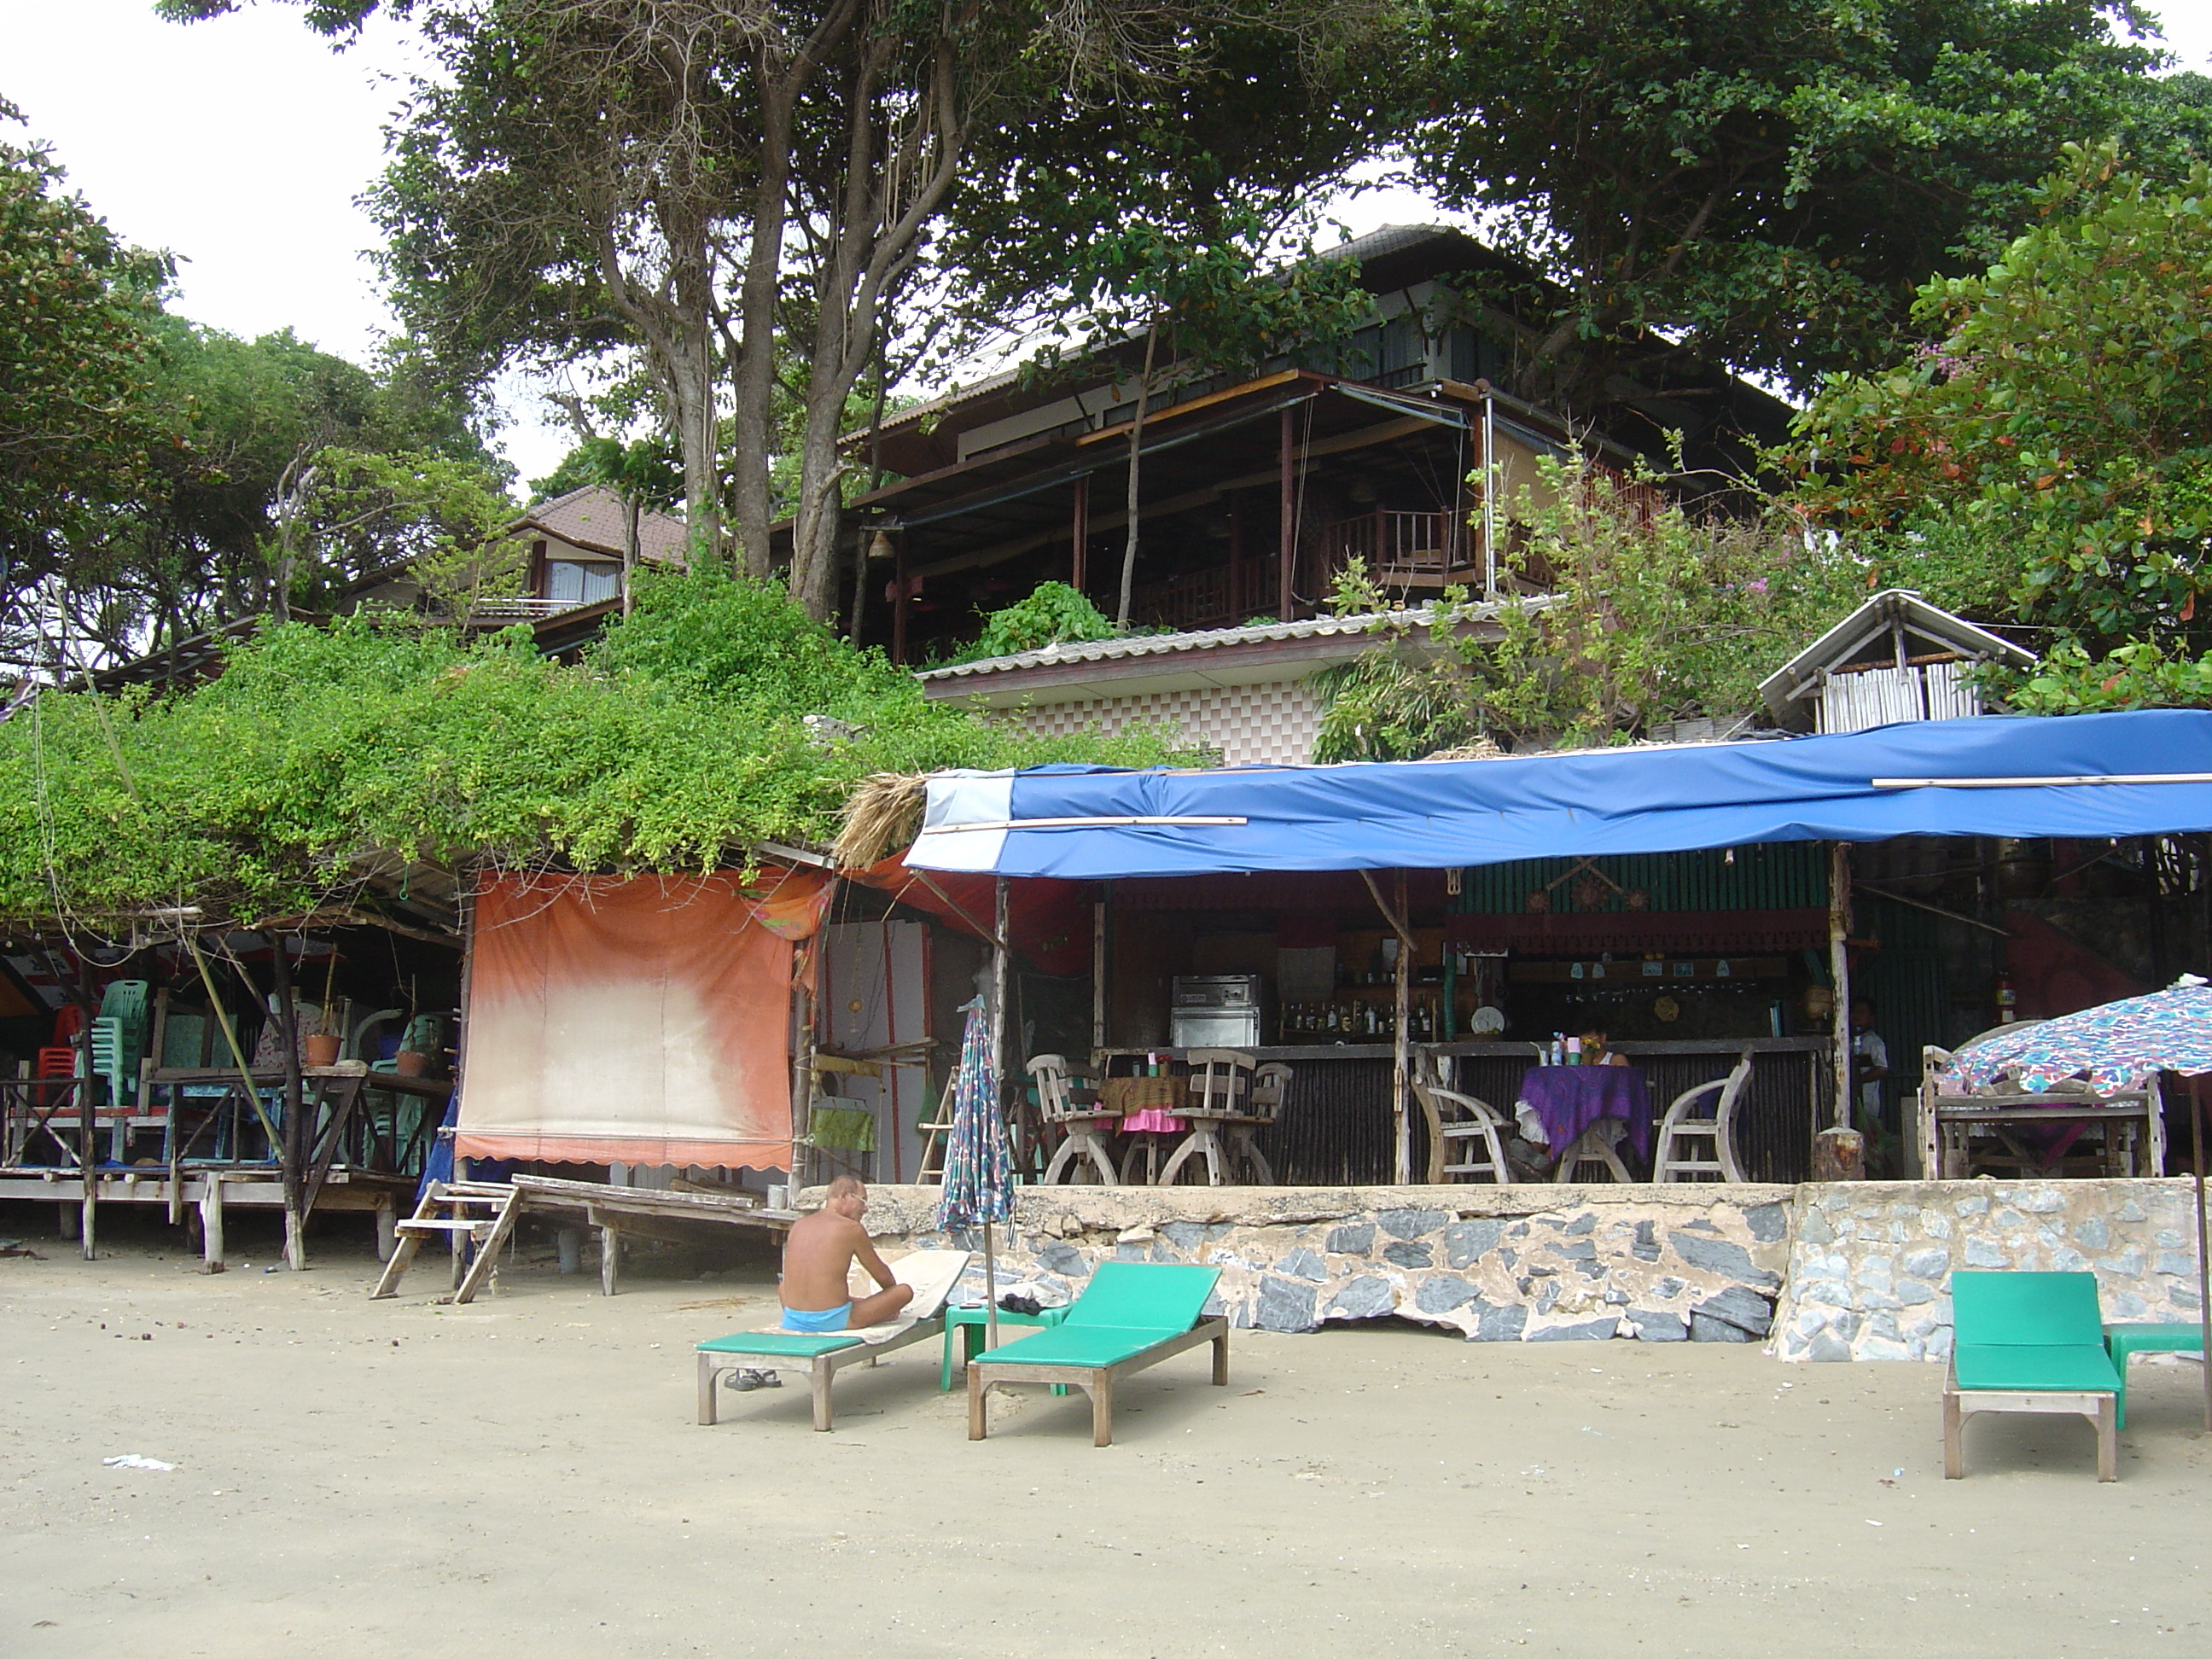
[1250,725]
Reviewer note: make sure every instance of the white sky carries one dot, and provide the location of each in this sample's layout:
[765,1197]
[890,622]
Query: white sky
[241,144]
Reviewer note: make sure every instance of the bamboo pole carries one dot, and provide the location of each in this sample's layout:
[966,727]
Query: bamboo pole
[1401,1038]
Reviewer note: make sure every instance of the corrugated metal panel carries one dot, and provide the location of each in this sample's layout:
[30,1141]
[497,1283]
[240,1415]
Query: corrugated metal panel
[1773,876]
[1335,1129]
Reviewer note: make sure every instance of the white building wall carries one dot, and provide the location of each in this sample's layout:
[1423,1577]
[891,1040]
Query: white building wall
[1250,725]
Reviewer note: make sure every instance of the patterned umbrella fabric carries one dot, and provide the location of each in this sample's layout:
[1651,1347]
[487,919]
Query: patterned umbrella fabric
[2115,1046]
[979,1177]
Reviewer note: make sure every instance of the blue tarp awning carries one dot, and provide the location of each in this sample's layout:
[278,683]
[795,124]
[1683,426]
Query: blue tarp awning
[2083,775]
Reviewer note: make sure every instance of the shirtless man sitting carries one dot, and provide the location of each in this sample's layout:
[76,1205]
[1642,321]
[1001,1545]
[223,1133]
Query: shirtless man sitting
[818,1253]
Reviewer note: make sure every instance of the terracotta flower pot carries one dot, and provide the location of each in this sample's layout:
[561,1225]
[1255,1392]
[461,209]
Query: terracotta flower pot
[412,1064]
[321,1048]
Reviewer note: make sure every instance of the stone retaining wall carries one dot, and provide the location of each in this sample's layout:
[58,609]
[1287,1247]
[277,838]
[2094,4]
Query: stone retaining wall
[1524,1263]
[1870,1263]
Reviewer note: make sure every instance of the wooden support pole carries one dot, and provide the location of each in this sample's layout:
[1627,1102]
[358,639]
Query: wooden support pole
[2203,1260]
[1402,1036]
[1079,562]
[1000,968]
[1098,919]
[292,1151]
[1286,531]
[610,1261]
[211,1223]
[1839,972]
[899,597]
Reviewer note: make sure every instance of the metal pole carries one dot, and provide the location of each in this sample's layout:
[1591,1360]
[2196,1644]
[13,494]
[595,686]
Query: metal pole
[2203,1263]
[1839,971]
[1286,537]
[998,970]
[1098,987]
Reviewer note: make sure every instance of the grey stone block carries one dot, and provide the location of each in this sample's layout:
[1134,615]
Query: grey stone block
[1466,1241]
[1880,1347]
[2044,1201]
[1284,1304]
[1064,1258]
[1657,1325]
[1547,1295]
[1982,1253]
[2093,1234]
[1815,1230]
[1911,1293]
[1588,1330]
[1704,1328]
[2176,1263]
[1501,1324]
[1580,1249]
[1582,1223]
[1924,1263]
[1440,1293]
[1646,1247]
[1718,1256]
[1183,1235]
[1364,1298]
[1669,1287]
[1410,1223]
[1745,1309]
[2130,1211]
[1701,1225]
[1302,1263]
[1518,1230]
[1408,1256]
[1769,1223]
[1826,1348]
[1511,1257]
[1355,1239]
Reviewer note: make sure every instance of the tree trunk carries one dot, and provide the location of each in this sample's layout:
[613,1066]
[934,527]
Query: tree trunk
[1136,446]
[632,507]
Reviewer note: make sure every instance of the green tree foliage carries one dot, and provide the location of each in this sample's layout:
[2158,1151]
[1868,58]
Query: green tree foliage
[2058,440]
[1052,613]
[1653,611]
[680,746]
[77,422]
[1766,182]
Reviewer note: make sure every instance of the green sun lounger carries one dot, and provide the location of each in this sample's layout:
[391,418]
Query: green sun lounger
[2124,1342]
[824,1356]
[1131,1315]
[2029,1342]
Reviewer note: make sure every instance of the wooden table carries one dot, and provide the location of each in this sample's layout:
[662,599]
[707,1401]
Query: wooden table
[2132,1124]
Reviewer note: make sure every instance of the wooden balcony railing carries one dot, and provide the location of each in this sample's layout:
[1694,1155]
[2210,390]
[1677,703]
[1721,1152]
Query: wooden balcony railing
[1400,550]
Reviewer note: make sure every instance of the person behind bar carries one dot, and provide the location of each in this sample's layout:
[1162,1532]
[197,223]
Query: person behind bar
[1595,1053]
[818,1254]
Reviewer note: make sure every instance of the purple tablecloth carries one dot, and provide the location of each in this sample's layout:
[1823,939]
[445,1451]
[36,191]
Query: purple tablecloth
[1567,1099]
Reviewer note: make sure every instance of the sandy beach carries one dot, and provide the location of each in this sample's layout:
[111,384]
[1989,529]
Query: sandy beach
[524,1474]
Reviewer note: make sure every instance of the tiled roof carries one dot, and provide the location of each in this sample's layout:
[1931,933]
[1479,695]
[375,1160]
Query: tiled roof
[593,518]
[1162,645]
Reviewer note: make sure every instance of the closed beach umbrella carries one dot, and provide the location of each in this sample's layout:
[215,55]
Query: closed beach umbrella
[2115,1046]
[979,1175]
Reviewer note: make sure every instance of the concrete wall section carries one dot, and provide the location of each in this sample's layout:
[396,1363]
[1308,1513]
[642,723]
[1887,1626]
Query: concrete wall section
[1869,1268]
[1528,1264]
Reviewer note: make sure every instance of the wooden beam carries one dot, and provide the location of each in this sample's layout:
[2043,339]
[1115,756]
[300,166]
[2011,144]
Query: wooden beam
[1100,523]
[1286,533]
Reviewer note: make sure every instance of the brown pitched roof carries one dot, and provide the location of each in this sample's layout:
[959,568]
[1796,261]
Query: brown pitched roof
[592,518]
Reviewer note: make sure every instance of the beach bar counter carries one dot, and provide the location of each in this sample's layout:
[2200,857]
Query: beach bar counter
[1685,961]
[1397,931]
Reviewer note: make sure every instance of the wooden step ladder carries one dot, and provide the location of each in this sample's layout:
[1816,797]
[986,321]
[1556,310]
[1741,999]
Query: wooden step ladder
[479,1212]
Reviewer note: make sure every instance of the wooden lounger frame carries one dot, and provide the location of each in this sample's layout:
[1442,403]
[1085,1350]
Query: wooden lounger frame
[1097,1381]
[2099,1406]
[821,1370]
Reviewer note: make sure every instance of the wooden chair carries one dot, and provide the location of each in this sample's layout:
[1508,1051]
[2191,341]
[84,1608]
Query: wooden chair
[1271,1085]
[1473,1127]
[1082,1122]
[1220,1082]
[1683,1122]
